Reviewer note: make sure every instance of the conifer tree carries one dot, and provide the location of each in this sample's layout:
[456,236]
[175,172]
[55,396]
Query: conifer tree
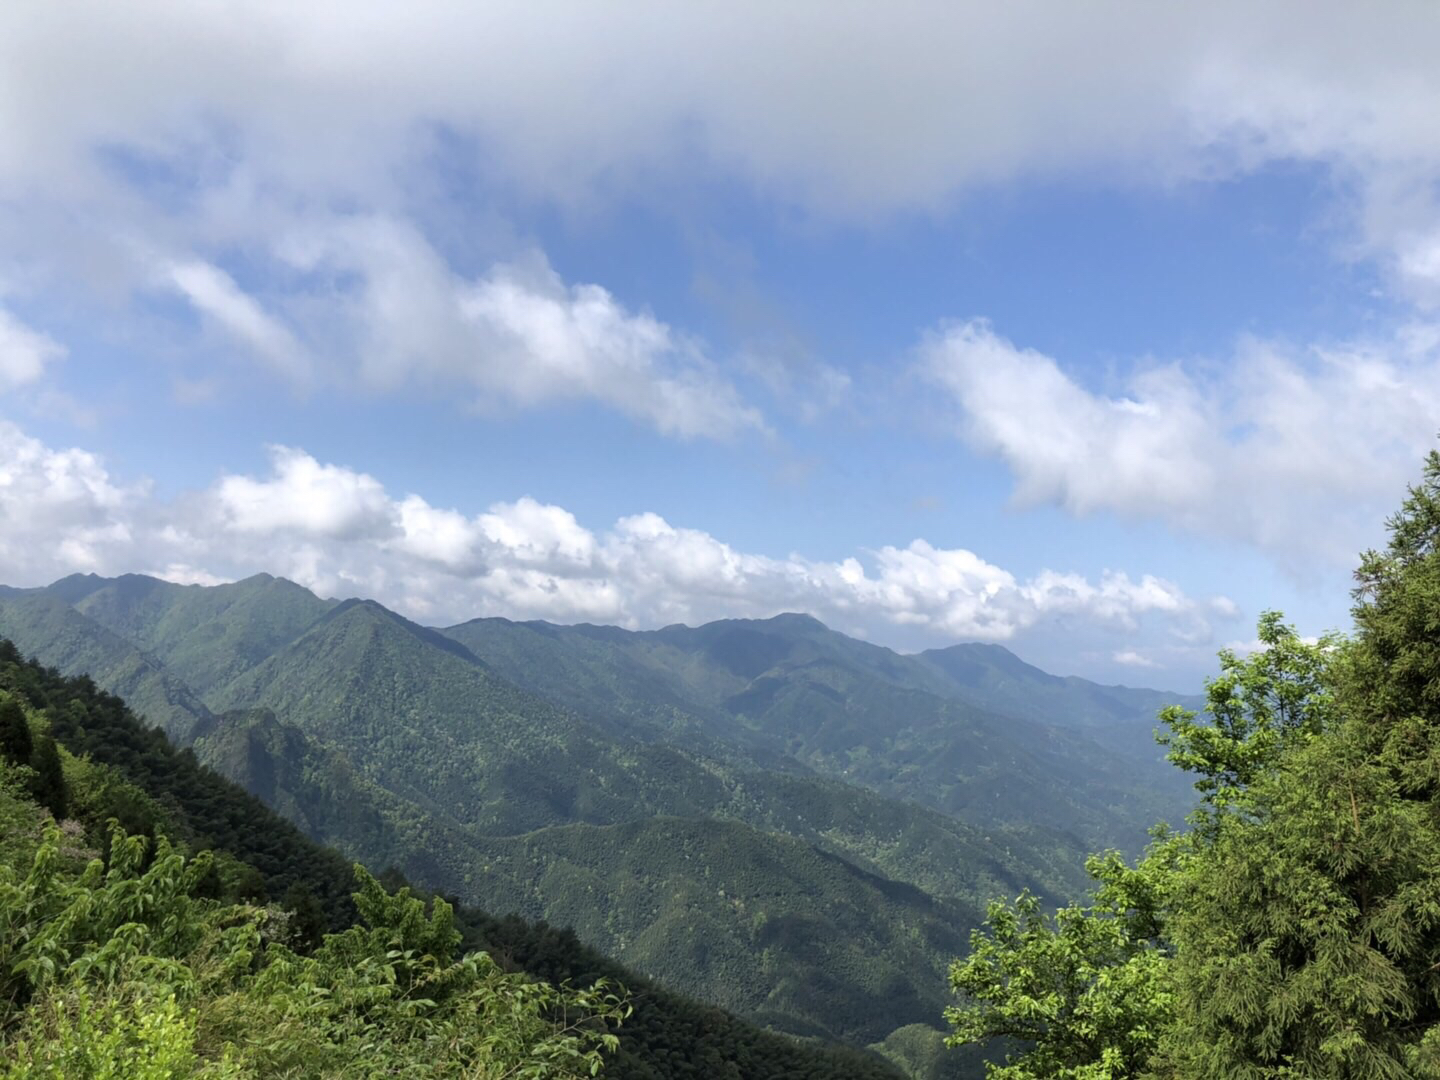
[1307,937]
[49,781]
[15,741]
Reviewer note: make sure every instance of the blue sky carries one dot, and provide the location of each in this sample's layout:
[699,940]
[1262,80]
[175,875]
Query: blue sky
[1091,336]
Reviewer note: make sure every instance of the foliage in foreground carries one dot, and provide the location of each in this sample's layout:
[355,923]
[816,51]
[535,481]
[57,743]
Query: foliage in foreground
[126,972]
[1294,931]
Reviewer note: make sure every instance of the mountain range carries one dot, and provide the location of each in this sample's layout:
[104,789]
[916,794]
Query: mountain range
[117,773]
[777,818]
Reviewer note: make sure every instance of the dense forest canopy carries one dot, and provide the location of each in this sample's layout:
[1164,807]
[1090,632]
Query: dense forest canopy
[168,924]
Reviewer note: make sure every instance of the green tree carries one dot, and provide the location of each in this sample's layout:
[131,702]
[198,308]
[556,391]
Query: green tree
[49,781]
[1308,941]
[1257,706]
[1125,986]
[1305,938]
[1394,677]
[1084,991]
[15,741]
[121,972]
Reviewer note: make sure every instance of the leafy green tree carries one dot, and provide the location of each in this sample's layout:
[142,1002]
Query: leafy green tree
[15,741]
[1255,708]
[1083,991]
[123,972]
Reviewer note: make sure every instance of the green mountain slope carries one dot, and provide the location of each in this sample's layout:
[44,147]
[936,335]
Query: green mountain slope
[855,795]
[205,636]
[669,1036]
[841,953]
[995,678]
[52,631]
[320,789]
[422,718]
[972,741]
[384,698]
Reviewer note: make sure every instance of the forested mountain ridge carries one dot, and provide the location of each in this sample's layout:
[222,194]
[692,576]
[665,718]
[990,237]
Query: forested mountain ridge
[972,731]
[115,767]
[204,636]
[992,677]
[51,628]
[840,790]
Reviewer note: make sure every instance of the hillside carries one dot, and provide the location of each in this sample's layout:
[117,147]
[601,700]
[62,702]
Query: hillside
[205,636]
[973,731]
[114,765]
[837,792]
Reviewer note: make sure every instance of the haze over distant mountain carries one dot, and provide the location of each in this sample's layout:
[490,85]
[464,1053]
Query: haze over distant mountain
[789,822]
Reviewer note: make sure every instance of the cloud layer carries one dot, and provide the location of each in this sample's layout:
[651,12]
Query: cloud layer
[340,532]
[854,111]
[289,169]
[367,302]
[1299,452]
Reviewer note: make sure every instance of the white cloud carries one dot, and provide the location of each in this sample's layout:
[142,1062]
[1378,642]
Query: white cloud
[852,110]
[340,532]
[1298,452]
[59,508]
[24,353]
[181,574]
[215,294]
[540,340]
[306,497]
[268,119]
[383,310]
[316,143]
[534,534]
[1131,658]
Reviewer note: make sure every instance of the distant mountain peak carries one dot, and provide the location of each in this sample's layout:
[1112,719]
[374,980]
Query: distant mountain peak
[373,609]
[992,656]
[795,620]
[75,587]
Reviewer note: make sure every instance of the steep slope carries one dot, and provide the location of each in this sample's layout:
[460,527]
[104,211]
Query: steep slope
[205,635]
[420,716]
[685,900]
[46,627]
[322,793]
[669,1035]
[906,726]
[778,929]
[319,788]
[841,953]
